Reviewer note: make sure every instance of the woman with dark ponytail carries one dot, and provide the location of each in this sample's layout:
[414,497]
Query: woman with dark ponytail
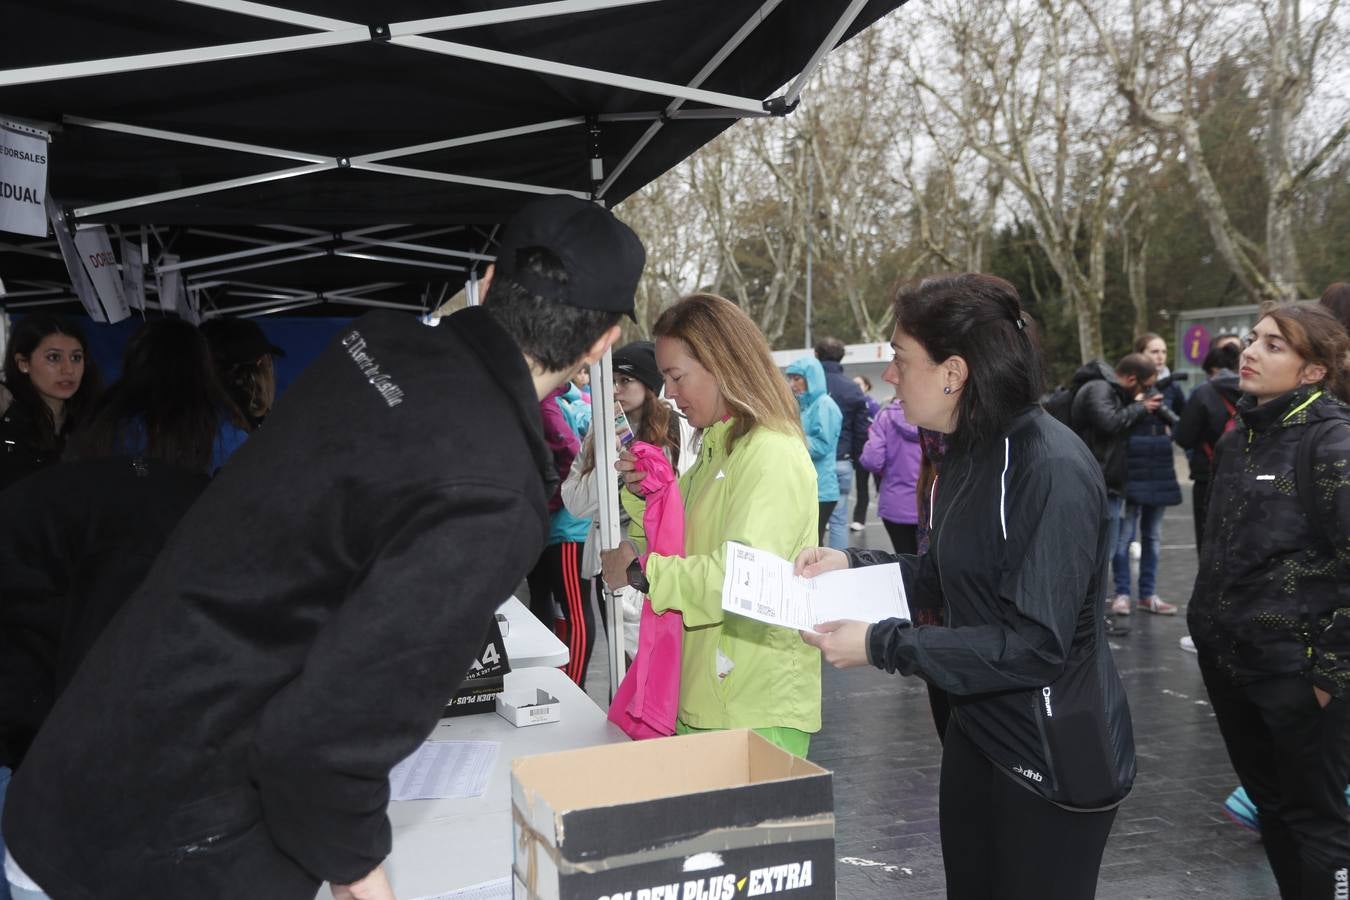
[1039,750]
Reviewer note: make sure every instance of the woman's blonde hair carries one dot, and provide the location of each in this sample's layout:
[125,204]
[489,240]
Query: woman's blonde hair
[727,343]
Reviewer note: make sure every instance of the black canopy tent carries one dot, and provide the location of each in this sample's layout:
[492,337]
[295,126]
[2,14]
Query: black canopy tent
[270,148]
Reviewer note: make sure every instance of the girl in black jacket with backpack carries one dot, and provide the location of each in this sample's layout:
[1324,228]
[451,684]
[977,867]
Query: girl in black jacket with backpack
[1270,613]
[1039,749]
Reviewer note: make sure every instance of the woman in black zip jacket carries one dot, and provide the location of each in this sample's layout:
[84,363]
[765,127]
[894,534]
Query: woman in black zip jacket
[1270,613]
[1039,750]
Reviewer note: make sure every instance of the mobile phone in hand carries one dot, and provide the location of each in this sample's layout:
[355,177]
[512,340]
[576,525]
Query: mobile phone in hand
[622,430]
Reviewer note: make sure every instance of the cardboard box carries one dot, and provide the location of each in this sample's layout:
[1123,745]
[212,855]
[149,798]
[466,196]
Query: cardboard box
[713,816]
[528,707]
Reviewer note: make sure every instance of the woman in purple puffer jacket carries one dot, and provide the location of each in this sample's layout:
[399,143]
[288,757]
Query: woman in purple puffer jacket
[893,452]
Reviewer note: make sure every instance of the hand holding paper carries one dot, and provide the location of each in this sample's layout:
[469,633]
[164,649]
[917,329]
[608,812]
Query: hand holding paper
[762,586]
[842,644]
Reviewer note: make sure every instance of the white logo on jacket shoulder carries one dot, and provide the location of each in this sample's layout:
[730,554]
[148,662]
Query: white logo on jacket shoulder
[720,475]
[1045,695]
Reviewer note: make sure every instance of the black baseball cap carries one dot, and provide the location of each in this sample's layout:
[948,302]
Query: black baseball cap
[237,341]
[602,256]
[638,360]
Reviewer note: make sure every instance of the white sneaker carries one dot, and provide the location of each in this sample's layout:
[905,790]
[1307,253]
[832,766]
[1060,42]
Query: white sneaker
[856,526]
[1136,550]
[1121,605]
[1188,643]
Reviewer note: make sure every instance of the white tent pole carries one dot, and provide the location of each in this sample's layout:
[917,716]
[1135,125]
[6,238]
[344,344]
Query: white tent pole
[375,257]
[28,304]
[99,209]
[607,484]
[580,73]
[198,140]
[708,113]
[201,276]
[718,58]
[466,140]
[36,292]
[466,179]
[510,14]
[241,254]
[276,309]
[243,239]
[424,248]
[275,14]
[114,65]
[305,299]
[825,47]
[263,295]
[374,304]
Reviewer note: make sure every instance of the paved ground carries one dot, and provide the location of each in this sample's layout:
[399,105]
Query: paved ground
[1170,839]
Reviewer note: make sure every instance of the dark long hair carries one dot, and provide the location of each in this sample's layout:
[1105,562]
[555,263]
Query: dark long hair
[28,333]
[980,319]
[167,405]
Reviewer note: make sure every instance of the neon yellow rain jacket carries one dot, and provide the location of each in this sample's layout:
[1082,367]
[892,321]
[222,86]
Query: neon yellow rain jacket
[763,495]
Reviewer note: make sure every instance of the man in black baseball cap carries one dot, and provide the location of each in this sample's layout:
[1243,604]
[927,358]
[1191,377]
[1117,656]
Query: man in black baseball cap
[600,257]
[324,597]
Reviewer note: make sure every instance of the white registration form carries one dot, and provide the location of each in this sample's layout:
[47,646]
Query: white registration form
[761,586]
[440,770]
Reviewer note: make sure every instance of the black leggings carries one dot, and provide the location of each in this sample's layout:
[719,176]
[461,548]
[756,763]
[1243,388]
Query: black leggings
[826,510]
[862,478]
[904,538]
[1000,841]
[557,575]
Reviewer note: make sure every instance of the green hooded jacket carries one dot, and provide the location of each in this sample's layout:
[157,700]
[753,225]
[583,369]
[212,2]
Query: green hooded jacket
[763,495]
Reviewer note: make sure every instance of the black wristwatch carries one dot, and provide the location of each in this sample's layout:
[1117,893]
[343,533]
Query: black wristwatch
[637,578]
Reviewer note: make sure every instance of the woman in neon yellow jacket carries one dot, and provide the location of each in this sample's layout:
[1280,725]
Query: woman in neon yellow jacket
[753,483]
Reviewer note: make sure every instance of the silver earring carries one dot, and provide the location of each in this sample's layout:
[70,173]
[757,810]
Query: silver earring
[947,389]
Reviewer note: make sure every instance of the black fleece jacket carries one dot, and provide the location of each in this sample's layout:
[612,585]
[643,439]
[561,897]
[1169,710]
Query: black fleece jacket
[1017,557]
[232,732]
[76,539]
[1272,595]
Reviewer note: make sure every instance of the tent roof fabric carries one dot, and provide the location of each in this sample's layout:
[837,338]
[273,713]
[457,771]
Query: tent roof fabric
[382,83]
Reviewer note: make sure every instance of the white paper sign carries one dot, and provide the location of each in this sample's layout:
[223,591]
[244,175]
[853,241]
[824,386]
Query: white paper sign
[96,255]
[23,180]
[133,274]
[170,285]
[79,278]
[761,586]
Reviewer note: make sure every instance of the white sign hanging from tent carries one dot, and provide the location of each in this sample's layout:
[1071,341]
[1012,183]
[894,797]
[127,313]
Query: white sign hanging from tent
[79,279]
[23,179]
[96,254]
[133,275]
[170,284]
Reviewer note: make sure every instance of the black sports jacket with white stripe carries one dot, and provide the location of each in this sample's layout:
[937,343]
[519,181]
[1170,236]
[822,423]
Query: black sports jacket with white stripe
[1017,559]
